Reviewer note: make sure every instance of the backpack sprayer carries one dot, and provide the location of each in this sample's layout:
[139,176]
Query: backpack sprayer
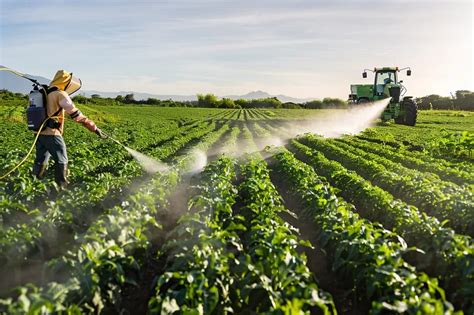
[36,114]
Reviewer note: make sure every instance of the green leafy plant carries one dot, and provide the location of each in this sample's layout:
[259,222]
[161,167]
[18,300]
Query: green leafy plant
[456,144]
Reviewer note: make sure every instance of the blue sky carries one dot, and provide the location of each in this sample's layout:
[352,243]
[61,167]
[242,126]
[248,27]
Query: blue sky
[298,48]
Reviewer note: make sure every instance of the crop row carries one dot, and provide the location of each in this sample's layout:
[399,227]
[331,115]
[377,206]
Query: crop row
[445,186]
[150,140]
[227,260]
[258,131]
[168,148]
[459,177]
[142,134]
[229,143]
[415,151]
[190,161]
[98,268]
[247,143]
[453,253]
[257,114]
[271,243]
[367,254]
[201,249]
[218,257]
[235,115]
[444,200]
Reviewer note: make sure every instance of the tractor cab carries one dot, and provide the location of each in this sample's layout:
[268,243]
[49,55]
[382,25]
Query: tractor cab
[385,79]
[382,78]
[386,85]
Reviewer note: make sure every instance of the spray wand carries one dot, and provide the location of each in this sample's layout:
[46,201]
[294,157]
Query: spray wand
[113,139]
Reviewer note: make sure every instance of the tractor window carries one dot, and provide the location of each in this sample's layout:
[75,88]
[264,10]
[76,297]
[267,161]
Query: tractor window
[383,78]
[386,78]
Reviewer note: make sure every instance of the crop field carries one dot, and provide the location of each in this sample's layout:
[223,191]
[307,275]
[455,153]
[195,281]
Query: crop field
[241,221]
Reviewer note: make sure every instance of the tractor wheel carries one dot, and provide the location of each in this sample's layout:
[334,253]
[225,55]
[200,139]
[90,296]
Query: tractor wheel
[411,112]
[362,100]
[400,120]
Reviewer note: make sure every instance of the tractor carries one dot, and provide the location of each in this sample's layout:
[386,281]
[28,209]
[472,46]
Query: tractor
[401,108]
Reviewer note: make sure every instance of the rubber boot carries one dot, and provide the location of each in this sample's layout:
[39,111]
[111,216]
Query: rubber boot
[39,170]
[60,175]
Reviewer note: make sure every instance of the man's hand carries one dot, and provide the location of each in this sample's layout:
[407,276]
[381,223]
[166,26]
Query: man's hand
[89,124]
[100,133]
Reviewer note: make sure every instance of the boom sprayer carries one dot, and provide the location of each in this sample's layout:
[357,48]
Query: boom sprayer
[402,109]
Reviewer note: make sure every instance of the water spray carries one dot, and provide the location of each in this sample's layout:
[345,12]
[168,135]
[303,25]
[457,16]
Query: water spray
[330,124]
[149,164]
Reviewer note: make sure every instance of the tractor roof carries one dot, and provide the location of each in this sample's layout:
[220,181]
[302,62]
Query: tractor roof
[386,69]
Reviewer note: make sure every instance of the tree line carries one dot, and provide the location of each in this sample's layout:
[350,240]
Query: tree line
[212,101]
[460,100]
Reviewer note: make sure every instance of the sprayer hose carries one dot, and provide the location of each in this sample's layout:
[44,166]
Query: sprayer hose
[18,74]
[31,148]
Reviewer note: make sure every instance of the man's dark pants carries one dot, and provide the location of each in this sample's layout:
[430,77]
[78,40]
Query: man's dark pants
[55,147]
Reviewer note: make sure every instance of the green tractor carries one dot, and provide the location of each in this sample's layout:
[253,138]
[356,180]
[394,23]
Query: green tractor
[401,108]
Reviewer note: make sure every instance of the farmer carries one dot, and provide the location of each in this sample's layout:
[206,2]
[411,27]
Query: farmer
[50,141]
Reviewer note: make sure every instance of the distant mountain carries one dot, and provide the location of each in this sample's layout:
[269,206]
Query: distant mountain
[250,96]
[261,94]
[14,83]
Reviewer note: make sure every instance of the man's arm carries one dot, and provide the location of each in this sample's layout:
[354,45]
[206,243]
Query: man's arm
[67,104]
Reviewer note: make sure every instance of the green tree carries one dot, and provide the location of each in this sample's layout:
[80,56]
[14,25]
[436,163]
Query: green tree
[329,102]
[291,105]
[208,100]
[153,101]
[314,104]
[80,99]
[271,102]
[241,103]
[119,99]
[227,103]
[129,99]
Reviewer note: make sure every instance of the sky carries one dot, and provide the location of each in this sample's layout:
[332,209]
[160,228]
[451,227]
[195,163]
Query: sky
[306,49]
